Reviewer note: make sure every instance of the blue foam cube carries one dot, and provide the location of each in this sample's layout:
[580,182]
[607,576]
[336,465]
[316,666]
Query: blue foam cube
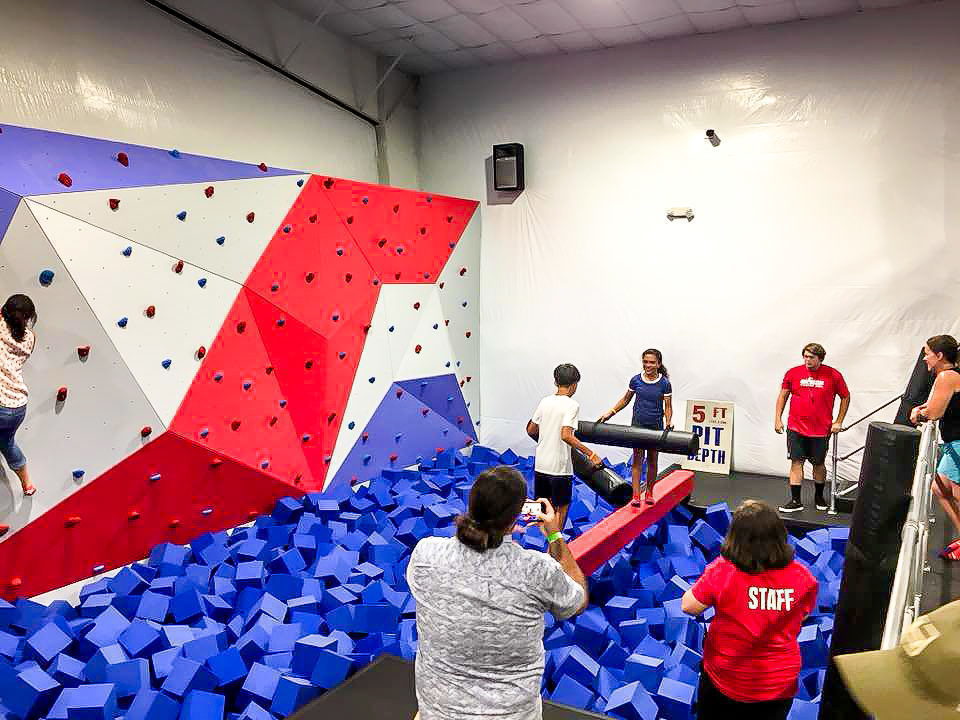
[260,684]
[292,692]
[201,705]
[632,702]
[675,699]
[228,667]
[92,702]
[330,670]
[31,693]
[186,675]
[129,677]
[153,705]
[47,642]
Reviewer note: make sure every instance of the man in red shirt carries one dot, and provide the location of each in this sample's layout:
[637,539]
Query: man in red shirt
[811,388]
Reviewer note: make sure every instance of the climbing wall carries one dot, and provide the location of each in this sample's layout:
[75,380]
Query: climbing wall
[214,335]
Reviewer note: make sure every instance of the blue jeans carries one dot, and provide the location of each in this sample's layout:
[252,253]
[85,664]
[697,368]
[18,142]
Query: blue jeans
[10,420]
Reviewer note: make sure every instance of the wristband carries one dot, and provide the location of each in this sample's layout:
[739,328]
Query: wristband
[554,536]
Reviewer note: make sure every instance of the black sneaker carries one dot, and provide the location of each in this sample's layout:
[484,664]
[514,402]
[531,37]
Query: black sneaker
[792,506]
[821,504]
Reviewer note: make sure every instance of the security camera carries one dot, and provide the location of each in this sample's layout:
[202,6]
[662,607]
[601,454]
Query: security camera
[680,212]
[713,137]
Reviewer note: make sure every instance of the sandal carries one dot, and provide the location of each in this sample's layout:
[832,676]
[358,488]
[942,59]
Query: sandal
[32,490]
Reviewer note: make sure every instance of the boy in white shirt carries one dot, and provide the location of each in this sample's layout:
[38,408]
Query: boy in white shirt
[553,426]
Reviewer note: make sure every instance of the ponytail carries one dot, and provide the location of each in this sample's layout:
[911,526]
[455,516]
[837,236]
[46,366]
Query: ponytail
[475,537]
[18,312]
[496,499]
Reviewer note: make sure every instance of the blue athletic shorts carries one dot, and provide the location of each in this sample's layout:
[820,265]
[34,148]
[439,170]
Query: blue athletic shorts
[949,465]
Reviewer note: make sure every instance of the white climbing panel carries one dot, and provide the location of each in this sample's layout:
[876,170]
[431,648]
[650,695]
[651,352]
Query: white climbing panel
[187,316]
[427,349]
[100,421]
[151,216]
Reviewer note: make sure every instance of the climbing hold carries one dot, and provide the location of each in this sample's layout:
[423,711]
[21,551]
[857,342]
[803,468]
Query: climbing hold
[201,351]
[123,159]
[365,200]
[452,244]
[280,322]
[275,287]
[235,425]
[464,303]
[446,322]
[397,437]
[459,420]
[327,459]
[283,403]
[72,521]
[399,394]
[312,218]
[426,275]
[265,464]
[366,459]
[83,351]
[65,179]
[381,242]
[328,183]
[166,362]
[341,355]
[174,153]
[268,369]
[391,328]
[305,438]
[251,514]
[77,474]
[216,462]
[174,524]
[349,219]
[221,240]
[447,364]
[204,432]
[182,215]
[467,333]
[331,417]
[273,420]
[46,277]
[366,329]
[178,266]
[241,326]
[365,437]
[399,251]
[469,378]
[309,277]
[351,425]
[133,515]
[348,277]
[217,376]
[300,182]
[287,228]
[114,204]
[308,364]
[202,282]
[425,411]
[127,251]
[416,306]
[376,281]
[155,477]
[371,380]
[441,286]
[340,251]
[208,191]
[463,271]
[429,198]
[263,167]
[393,457]
[251,216]
[436,325]
[335,317]
[150,311]
[449,218]
[145,431]
[423,231]
[396,209]
[206,511]
[16,582]
[247,385]
[417,349]
[61,394]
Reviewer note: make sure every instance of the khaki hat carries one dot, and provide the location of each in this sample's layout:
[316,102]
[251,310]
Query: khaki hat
[918,679]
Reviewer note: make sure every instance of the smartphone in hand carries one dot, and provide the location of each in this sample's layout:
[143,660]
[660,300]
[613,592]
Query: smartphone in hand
[532,510]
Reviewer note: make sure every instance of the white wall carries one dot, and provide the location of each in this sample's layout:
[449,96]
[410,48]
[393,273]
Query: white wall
[123,70]
[828,213]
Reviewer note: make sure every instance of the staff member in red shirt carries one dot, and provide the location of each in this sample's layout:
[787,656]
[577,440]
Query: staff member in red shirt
[811,388]
[761,595]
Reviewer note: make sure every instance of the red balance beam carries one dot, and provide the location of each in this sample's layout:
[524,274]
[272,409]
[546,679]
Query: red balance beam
[610,535]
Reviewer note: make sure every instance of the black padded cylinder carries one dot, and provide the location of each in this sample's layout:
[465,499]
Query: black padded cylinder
[676,442]
[602,480]
[883,499]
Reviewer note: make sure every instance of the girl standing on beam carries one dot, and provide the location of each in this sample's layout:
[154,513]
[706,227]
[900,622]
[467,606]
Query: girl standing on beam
[652,396]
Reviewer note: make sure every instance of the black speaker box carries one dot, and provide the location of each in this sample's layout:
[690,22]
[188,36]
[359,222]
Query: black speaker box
[508,167]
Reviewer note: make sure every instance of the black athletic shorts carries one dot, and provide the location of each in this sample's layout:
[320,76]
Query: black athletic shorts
[558,489]
[804,447]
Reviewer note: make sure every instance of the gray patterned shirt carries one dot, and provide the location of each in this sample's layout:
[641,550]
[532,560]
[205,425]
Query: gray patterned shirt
[480,627]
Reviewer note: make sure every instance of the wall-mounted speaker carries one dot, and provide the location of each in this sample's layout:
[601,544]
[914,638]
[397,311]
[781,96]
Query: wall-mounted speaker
[508,167]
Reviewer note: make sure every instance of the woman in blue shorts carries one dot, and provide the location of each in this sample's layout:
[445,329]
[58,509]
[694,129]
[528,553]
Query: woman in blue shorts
[940,354]
[651,393]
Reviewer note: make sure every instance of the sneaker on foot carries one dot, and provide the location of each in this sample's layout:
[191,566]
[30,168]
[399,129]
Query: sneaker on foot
[821,504]
[792,506]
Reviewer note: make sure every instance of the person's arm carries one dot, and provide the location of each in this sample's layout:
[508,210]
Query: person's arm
[668,411]
[690,605]
[621,404]
[943,389]
[841,414]
[533,430]
[778,414]
[566,434]
[560,552]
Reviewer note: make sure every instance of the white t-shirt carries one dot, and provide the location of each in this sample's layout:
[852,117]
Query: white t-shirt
[552,414]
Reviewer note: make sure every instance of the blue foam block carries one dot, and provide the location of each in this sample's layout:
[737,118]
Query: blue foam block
[47,642]
[675,699]
[31,693]
[129,677]
[644,668]
[66,670]
[139,639]
[813,647]
[92,702]
[186,675]
[330,670]
[632,702]
[153,705]
[201,705]
[719,517]
[227,667]
[153,606]
[260,684]
[291,694]
[570,692]
[95,670]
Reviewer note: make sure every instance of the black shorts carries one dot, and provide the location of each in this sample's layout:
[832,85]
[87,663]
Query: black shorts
[714,705]
[558,489]
[804,447]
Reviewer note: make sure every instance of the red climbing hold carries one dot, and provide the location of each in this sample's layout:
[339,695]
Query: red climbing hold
[416,306]
[173,524]
[425,411]
[381,242]
[459,420]
[309,277]
[440,450]
[65,179]
[331,417]
[463,271]
[250,216]
[312,218]
[467,333]
[263,167]
[178,266]
[133,515]
[216,462]
[348,277]
[208,191]
[61,394]
[396,209]
[72,521]
[365,437]
[393,457]
[83,351]
[16,582]
[235,425]
[201,351]
[417,349]
[328,183]
[114,203]
[446,322]
[145,431]
[251,514]
[123,159]
[241,326]
[150,311]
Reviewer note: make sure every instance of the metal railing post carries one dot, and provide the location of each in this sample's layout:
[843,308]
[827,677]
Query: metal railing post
[833,476]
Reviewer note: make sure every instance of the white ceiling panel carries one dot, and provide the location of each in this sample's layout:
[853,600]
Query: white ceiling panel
[428,10]
[436,35]
[548,17]
[596,13]
[507,25]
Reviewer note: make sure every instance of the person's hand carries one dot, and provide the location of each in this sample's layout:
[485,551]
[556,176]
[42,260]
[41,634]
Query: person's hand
[836,427]
[915,415]
[547,520]
[778,426]
[595,459]
[606,416]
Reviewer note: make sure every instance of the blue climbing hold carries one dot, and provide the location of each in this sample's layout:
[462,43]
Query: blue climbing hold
[335,317]
[306,437]
[351,425]
[175,153]
[283,403]
[217,377]
[127,251]
[371,380]
[247,385]
[339,251]
[155,477]
[202,282]
[221,240]
[341,355]
[46,277]
[77,474]
[167,362]
[396,438]
[265,464]
[464,303]
[122,322]
[366,459]
[287,228]
[300,182]
[182,215]
[435,326]
[447,364]
[281,322]
[204,432]
[390,329]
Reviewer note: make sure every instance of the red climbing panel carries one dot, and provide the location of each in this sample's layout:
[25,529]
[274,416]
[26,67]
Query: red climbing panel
[610,535]
[120,517]
[236,399]
[407,236]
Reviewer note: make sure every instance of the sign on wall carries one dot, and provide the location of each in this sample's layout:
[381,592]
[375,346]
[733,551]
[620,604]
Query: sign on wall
[712,422]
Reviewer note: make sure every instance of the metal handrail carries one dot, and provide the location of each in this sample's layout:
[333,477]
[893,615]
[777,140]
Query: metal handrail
[907,591]
[834,477]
